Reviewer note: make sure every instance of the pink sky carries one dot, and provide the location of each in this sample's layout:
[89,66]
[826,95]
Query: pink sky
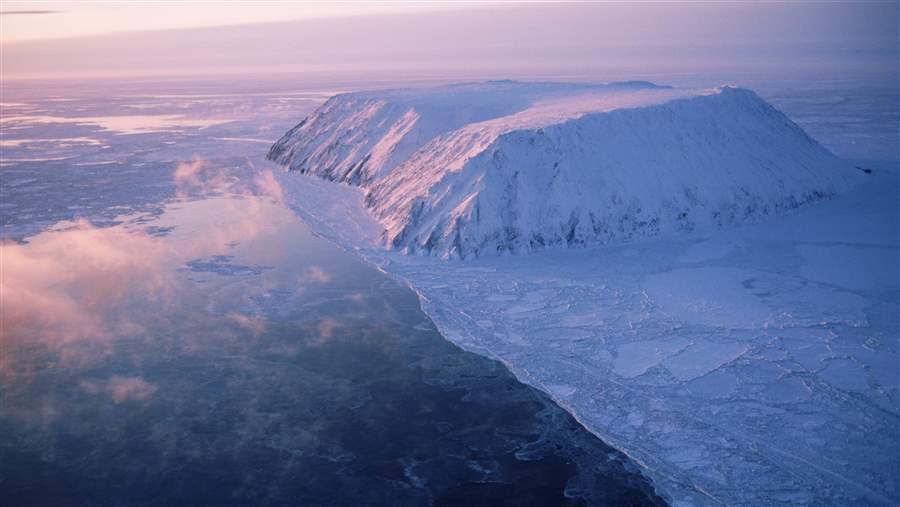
[459,40]
[46,19]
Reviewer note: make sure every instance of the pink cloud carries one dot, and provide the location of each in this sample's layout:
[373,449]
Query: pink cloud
[327,326]
[200,177]
[56,287]
[129,388]
[267,185]
[315,274]
[325,331]
[188,173]
[66,288]
[121,389]
[255,325]
[321,332]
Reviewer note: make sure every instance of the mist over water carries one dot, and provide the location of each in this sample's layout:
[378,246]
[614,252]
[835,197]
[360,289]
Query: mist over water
[173,334]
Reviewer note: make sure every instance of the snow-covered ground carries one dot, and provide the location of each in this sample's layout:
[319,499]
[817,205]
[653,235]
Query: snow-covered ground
[752,365]
[448,174]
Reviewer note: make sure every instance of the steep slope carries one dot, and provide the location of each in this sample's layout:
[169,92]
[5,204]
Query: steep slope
[747,366]
[357,138]
[753,365]
[608,169]
[502,166]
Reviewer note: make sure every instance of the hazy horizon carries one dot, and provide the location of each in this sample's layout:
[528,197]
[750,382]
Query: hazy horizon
[443,253]
[478,41]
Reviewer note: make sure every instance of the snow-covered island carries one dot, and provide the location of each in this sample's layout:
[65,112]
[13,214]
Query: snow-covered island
[698,281]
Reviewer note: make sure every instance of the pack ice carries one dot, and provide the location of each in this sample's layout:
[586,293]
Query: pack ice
[699,282]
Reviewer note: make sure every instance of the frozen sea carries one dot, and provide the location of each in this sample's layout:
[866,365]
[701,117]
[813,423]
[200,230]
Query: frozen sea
[753,365]
[174,335]
[179,336]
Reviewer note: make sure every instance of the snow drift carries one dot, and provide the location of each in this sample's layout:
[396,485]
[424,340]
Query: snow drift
[476,169]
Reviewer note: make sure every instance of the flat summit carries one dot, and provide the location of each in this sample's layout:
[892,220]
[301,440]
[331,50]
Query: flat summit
[503,166]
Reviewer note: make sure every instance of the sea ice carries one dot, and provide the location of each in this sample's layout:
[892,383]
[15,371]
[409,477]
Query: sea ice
[754,365]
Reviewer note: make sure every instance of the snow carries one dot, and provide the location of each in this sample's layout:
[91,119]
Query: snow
[742,299]
[823,263]
[360,137]
[603,167]
[746,365]
[636,358]
[560,165]
[703,357]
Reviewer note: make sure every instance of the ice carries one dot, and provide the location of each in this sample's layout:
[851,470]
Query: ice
[562,391]
[634,359]
[846,374]
[797,402]
[707,250]
[850,266]
[482,168]
[7,143]
[123,124]
[718,384]
[703,357]
[737,298]
[734,365]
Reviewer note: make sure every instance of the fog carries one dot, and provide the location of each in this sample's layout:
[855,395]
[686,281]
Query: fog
[535,40]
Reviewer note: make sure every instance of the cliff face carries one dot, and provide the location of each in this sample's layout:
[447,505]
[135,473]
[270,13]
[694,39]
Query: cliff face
[357,138]
[737,367]
[512,167]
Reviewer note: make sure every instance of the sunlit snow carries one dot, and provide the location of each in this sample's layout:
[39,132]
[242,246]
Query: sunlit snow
[744,362]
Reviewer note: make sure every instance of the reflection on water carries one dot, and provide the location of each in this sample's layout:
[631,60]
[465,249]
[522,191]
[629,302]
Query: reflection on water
[218,354]
[172,335]
[209,351]
[75,287]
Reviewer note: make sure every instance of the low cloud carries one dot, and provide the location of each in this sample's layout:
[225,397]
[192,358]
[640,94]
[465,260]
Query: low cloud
[320,333]
[57,287]
[255,325]
[200,177]
[327,326]
[188,173]
[121,389]
[314,274]
[76,287]
[267,185]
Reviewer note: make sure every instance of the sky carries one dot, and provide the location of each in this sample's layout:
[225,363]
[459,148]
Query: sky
[40,20]
[459,39]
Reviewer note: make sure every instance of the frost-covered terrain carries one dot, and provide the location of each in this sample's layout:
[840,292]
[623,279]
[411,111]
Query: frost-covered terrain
[746,365]
[360,137]
[569,165]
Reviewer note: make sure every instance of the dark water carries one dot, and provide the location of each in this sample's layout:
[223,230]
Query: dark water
[188,342]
